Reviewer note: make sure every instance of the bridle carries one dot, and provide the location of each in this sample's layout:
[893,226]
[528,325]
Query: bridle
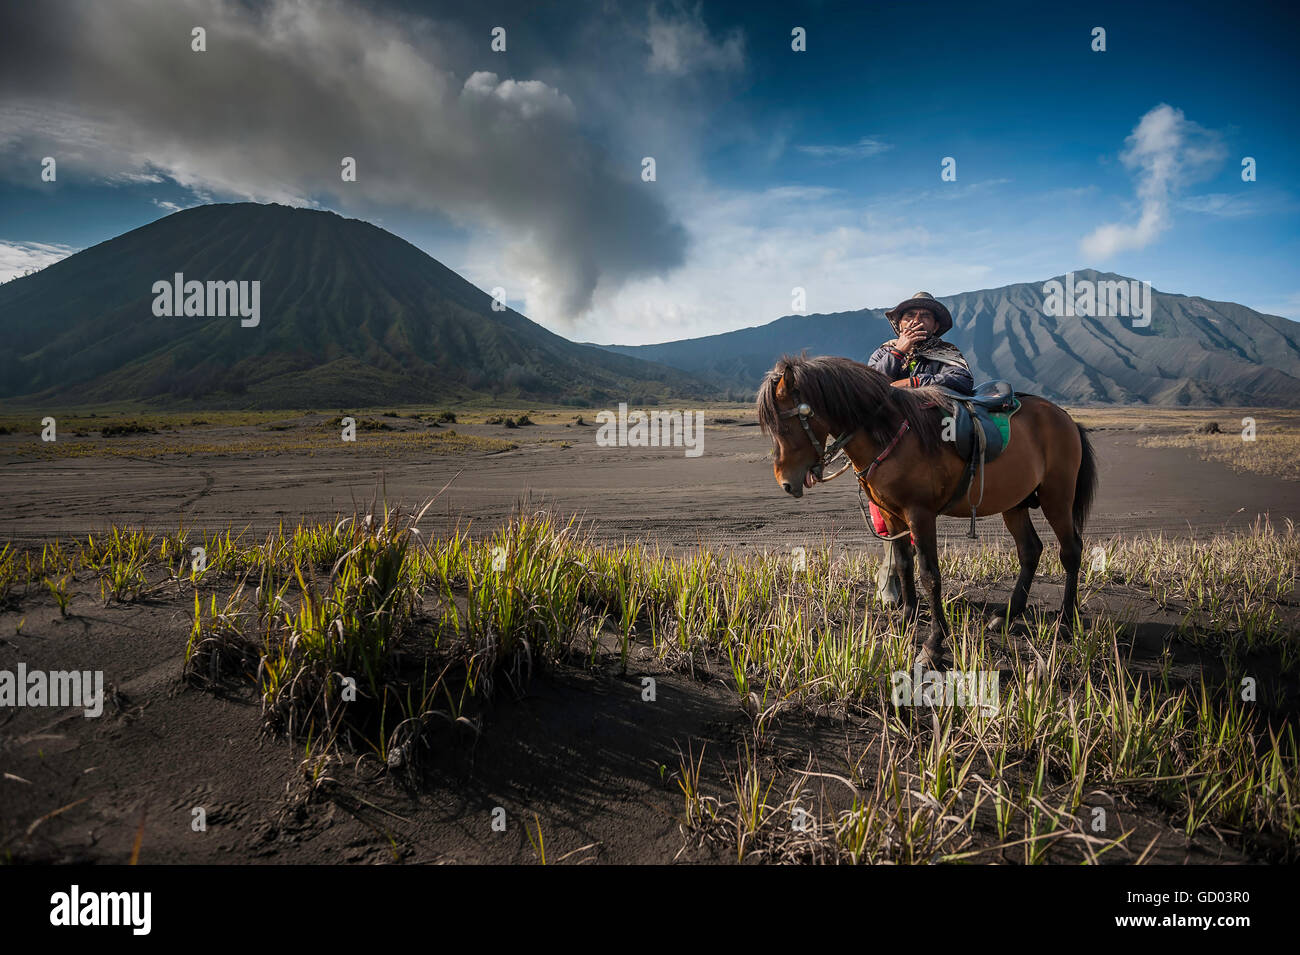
[827,453]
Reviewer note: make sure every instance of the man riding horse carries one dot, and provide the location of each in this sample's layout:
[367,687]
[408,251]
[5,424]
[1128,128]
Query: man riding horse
[918,356]
[893,432]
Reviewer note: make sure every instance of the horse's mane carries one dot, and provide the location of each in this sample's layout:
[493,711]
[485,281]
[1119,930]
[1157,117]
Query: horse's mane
[852,395]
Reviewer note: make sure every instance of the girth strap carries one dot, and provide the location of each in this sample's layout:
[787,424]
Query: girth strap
[865,475]
[980,445]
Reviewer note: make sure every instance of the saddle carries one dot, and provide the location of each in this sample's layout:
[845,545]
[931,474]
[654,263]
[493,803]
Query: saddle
[994,395]
[981,433]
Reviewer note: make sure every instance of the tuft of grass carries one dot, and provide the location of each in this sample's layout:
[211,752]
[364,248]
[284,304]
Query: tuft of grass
[59,590]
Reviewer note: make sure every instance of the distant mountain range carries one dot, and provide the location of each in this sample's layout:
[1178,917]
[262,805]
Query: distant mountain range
[350,316]
[1194,352]
[353,316]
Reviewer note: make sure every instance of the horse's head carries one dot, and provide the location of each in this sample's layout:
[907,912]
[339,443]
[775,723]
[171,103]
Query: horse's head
[785,414]
[839,397]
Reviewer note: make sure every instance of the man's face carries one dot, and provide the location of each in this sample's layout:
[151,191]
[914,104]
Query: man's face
[919,318]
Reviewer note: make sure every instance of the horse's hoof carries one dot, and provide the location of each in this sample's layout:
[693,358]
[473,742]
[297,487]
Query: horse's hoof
[996,624]
[928,659]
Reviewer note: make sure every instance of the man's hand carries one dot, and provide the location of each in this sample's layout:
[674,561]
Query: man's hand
[901,383]
[909,338]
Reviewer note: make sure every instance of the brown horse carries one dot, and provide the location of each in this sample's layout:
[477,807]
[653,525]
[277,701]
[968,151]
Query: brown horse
[894,439]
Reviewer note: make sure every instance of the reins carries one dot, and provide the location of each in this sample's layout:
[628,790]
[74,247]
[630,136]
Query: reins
[829,452]
[863,477]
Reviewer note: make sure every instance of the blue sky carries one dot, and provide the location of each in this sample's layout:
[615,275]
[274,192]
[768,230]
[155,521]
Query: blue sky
[774,168]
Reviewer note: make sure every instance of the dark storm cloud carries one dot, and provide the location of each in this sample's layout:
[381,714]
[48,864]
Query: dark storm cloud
[286,89]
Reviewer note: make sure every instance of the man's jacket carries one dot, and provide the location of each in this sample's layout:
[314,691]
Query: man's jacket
[934,362]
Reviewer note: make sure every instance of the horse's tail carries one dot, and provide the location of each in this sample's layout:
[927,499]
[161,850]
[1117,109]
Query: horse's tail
[1085,484]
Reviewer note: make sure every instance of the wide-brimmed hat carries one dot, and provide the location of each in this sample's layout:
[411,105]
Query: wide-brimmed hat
[922,300]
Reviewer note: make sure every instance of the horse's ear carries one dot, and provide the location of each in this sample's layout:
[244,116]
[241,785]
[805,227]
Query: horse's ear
[783,385]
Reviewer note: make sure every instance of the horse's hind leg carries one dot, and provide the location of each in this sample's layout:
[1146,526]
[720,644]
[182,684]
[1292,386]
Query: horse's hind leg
[927,553]
[1028,549]
[1057,508]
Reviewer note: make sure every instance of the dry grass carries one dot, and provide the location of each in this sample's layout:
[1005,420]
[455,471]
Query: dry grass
[1275,451]
[427,630]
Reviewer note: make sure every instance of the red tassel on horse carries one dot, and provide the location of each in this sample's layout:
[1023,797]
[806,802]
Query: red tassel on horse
[878,521]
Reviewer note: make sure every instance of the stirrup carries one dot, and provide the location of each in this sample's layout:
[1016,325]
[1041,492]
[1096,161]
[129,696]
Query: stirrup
[982,443]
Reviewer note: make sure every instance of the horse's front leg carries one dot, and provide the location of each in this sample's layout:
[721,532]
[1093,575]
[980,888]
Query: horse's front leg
[905,577]
[927,551]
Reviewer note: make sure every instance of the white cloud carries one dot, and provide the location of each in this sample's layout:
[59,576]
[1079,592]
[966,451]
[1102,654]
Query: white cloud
[19,258]
[1221,204]
[681,44]
[287,88]
[136,178]
[799,193]
[1167,151]
[863,149]
[531,99]
[748,250]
